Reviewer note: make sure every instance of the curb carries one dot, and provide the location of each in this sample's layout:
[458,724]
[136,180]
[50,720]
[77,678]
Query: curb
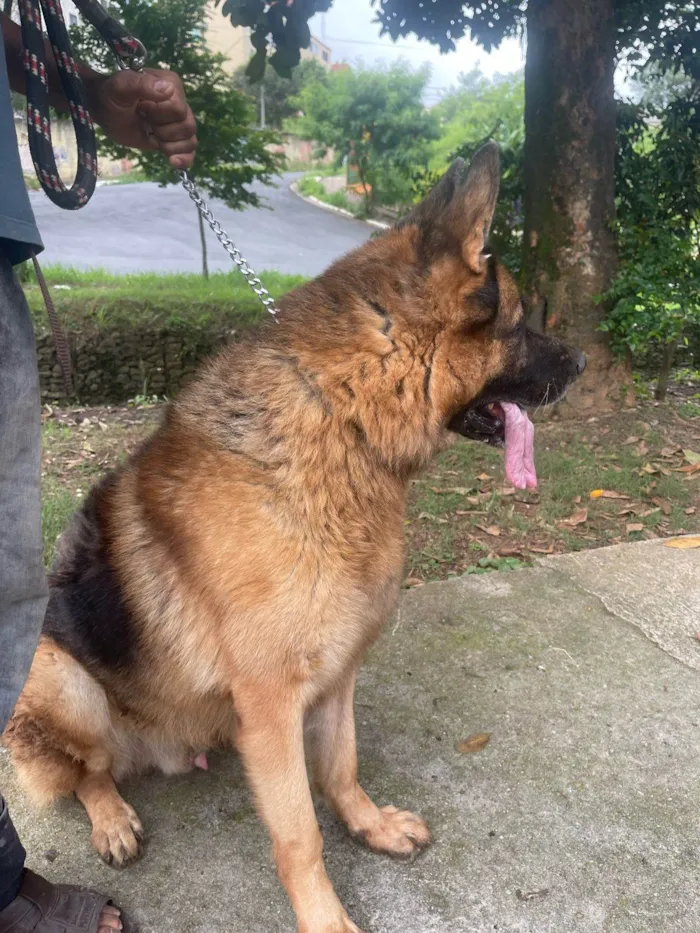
[310,199]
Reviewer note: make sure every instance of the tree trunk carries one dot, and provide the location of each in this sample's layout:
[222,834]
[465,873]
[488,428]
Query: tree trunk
[666,363]
[203,241]
[568,246]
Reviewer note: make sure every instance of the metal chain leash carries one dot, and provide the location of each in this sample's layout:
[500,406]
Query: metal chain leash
[134,58]
[268,302]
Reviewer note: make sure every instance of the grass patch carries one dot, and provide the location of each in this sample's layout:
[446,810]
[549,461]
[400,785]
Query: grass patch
[462,517]
[57,505]
[311,186]
[95,298]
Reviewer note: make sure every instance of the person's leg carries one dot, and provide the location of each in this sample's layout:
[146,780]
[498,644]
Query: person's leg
[12,857]
[27,902]
[23,591]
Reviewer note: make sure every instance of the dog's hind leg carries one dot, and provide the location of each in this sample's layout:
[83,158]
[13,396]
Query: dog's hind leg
[330,735]
[116,829]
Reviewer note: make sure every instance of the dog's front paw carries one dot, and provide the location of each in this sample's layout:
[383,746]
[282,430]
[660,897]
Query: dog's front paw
[118,837]
[395,832]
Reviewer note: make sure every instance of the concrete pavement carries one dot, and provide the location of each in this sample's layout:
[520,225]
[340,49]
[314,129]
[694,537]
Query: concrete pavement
[145,228]
[579,816]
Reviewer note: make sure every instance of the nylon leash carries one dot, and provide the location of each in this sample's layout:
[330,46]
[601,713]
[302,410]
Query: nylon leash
[130,53]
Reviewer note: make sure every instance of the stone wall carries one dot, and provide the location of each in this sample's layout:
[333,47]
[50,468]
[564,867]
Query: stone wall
[112,366]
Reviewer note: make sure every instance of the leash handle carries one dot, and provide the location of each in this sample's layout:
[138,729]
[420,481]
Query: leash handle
[38,115]
[130,53]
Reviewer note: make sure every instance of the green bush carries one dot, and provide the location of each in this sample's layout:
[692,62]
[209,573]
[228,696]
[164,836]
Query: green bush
[654,299]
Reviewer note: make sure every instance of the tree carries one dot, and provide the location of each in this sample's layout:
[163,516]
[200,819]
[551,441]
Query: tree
[376,119]
[230,155]
[569,251]
[278,92]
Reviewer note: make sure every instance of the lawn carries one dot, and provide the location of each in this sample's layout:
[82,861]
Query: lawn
[94,298]
[461,515]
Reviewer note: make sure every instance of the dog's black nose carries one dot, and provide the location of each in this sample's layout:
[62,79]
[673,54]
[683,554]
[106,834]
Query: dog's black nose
[580,363]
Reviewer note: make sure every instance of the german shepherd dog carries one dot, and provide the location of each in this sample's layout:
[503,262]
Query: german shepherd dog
[222,587]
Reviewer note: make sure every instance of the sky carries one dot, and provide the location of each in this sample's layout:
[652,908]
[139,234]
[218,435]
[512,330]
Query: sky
[348,29]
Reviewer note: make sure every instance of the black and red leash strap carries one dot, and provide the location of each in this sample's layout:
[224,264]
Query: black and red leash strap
[130,53]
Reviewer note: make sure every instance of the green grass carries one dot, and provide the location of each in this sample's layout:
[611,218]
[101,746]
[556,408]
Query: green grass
[57,506]
[310,186]
[689,410]
[573,459]
[96,298]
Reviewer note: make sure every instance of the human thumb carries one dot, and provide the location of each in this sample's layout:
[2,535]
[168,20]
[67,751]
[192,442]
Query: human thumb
[130,87]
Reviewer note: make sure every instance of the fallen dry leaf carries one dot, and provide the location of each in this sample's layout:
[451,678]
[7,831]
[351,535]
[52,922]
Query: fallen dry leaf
[667,452]
[471,512]
[578,518]
[508,491]
[541,550]
[648,468]
[577,500]
[690,511]
[634,526]
[492,530]
[683,544]
[473,743]
[608,494]
[642,450]
[691,456]
[412,581]
[632,439]
[664,506]
[483,476]
[647,512]
[688,468]
[509,552]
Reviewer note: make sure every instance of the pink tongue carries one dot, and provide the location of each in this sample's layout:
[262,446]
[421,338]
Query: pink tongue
[520,447]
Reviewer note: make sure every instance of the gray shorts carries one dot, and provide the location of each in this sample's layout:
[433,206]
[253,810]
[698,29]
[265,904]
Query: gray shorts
[23,591]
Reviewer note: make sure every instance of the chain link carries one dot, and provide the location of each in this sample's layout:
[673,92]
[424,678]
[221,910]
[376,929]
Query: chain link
[251,278]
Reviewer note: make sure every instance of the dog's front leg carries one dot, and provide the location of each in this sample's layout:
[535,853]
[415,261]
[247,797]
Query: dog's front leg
[271,744]
[332,750]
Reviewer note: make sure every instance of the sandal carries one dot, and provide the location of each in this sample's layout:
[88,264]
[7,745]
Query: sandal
[42,907]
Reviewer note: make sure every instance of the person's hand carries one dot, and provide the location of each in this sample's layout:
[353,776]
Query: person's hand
[145,110]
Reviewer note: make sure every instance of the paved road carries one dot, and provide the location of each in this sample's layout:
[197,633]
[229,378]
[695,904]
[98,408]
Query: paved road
[141,227]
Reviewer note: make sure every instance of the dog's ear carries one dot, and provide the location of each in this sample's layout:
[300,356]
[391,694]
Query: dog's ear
[473,205]
[461,205]
[431,210]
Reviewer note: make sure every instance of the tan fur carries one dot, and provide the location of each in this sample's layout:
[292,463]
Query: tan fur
[258,543]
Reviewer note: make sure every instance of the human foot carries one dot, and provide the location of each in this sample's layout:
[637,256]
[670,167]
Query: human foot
[42,907]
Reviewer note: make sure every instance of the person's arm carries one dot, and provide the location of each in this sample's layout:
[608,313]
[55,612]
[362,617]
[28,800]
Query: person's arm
[142,110]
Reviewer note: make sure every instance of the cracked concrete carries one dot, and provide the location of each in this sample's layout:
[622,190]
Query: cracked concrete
[585,797]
